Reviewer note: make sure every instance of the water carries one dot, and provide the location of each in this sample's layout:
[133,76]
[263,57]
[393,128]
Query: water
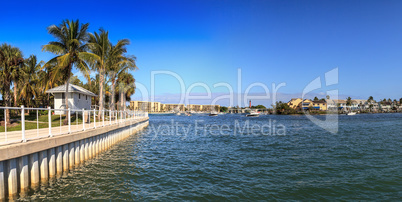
[362,161]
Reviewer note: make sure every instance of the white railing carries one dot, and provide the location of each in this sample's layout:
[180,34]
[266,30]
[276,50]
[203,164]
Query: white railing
[47,122]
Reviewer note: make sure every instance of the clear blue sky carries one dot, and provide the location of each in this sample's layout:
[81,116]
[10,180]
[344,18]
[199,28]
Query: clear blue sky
[271,41]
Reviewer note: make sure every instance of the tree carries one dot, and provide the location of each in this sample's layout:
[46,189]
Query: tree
[328,97]
[283,108]
[10,59]
[370,99]
[349,101]
[315,98]
[100,45]
[400,101]
[29,79]
[16,79]
[258,107]
[76,81]
[71,50]
[126,88]
[117,63]
[223,109]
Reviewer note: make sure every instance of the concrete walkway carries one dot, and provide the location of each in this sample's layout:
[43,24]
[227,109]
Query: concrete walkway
[16,136]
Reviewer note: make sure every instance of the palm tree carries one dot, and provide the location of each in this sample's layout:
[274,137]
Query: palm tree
[71,50]
[349,101]
[126,88]
[16,79]
[118,63]
[100,45]
[10,58]
[30,79]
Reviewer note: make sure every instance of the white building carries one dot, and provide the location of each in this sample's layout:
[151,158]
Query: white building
[79,98]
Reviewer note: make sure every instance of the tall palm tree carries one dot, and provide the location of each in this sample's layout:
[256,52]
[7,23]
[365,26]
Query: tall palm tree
[100,45]
[10,59]
[118,63]
[30,79]
[348,101]
[71,50]
[126,87]
[16,79]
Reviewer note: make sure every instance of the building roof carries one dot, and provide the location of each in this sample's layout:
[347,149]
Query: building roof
[319,102]
[71,88]
[340,101]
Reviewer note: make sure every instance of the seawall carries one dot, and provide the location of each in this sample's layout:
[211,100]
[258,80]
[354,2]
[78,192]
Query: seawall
[27,165]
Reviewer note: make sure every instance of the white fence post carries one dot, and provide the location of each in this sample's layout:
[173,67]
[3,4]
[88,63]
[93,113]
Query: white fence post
[94,119]
[103,117]
[50,121]
[23,123]
[69,120]
[83,119]
[5,123]
[110,116]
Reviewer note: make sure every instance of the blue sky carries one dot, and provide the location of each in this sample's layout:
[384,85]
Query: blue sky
[207,41]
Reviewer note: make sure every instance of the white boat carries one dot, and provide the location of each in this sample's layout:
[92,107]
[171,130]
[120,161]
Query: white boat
[351,113]
[253,114]
[213,114]
[178,113]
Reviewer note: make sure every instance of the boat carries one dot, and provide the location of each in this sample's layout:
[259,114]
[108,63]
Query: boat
[213,114]
[178,114]
[351,113]
[253,114]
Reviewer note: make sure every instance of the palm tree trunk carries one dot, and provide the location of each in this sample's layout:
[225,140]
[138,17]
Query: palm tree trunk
[15,94]
[7,100]
[48,100]
[101,80]
[67,84]
[66,94]
[113,93]
[121,99]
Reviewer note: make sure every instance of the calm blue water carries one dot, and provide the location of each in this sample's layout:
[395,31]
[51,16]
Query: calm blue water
[363,161]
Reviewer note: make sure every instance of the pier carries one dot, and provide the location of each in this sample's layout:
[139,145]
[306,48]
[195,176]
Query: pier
[30,158]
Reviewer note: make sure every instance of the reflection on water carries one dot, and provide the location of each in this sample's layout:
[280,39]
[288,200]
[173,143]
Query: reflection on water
[363,161]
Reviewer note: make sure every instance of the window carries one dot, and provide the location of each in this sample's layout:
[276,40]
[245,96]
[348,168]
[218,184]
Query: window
[86,97]
[63,96]
[79,96]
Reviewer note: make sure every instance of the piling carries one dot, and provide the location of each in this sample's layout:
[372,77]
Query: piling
[12,178]
[34,170]
[44,167]
[77,154]
[59,161]
[24,168]
[52,163]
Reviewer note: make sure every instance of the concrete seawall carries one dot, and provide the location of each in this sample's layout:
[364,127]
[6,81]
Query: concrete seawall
[30,164]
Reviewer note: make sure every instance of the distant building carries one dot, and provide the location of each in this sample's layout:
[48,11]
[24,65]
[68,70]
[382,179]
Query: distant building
[194,108]
[159,107]
[78,98]
[331,105]
[174,107]
[306,104]
[145,106]
[320,105]
[294,103]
